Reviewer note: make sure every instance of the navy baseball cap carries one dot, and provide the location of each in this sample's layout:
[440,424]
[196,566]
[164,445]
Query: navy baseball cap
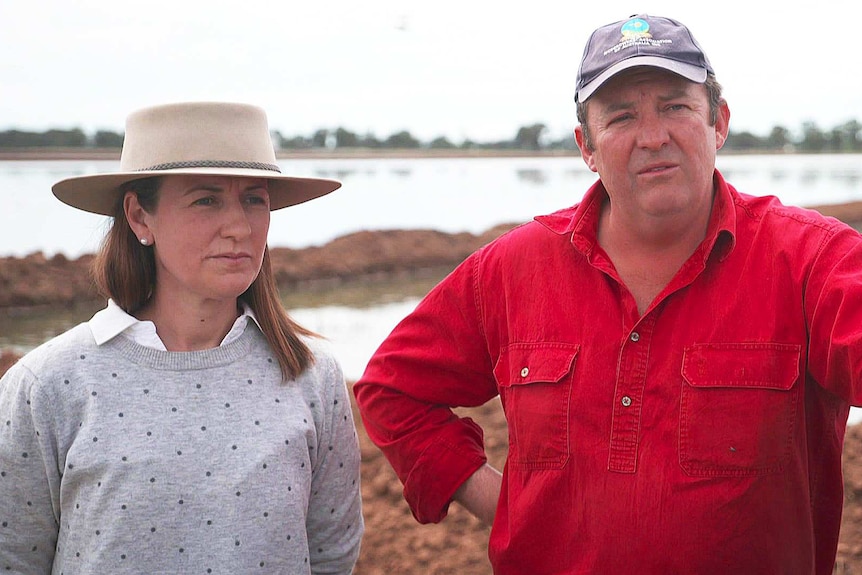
[640,40]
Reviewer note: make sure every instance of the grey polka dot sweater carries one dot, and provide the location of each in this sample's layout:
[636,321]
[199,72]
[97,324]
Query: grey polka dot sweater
[124,459]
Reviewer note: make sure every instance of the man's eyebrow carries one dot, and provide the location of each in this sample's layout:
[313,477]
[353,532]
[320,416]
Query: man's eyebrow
[675,94]
[617,106]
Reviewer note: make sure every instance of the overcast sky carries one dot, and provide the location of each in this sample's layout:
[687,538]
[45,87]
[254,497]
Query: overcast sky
[475,69]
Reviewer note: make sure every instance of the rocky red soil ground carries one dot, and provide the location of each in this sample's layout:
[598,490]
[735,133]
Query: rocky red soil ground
[394,542]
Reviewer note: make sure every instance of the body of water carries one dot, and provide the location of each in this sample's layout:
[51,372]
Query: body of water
[452,195]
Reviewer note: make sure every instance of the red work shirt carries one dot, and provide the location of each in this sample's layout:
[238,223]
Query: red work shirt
[704,436]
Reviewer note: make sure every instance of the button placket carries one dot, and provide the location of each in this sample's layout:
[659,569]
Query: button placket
[629,390]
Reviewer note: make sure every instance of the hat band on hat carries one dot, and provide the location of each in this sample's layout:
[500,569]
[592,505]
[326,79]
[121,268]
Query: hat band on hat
[211,164]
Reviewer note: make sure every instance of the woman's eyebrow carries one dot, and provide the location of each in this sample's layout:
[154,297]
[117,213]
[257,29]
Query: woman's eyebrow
[214,188]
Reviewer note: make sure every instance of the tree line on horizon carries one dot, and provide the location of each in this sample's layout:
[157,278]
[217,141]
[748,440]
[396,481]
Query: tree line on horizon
[846,137]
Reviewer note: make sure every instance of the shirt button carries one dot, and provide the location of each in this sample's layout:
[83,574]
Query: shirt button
[635,336]
[525,372]
[626,401]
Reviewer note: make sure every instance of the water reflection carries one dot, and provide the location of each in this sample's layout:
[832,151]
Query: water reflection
[335,174]
[24,329]
[362,293]
[809,177]
[850,178]
[578,173]
[532,176]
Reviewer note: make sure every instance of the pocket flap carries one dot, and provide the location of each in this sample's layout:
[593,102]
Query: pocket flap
[755,365]
[526,363]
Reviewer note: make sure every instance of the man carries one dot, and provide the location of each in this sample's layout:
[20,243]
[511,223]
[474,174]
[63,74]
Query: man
[676,360]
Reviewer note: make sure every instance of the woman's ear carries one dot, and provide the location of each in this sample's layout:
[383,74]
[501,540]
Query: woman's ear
[138,218]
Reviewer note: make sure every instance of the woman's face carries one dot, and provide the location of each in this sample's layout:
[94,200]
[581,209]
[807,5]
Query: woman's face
[208,235]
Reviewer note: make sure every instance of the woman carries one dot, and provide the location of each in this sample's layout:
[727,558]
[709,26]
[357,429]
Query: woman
[191,426]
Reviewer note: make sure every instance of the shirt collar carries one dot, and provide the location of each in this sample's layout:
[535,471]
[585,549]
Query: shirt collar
[582,219]
[112,321]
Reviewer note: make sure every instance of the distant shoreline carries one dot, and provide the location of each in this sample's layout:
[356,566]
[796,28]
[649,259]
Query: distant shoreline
[112,154]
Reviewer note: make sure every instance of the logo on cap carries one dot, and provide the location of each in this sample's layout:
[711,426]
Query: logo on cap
[635,28]
[636,34]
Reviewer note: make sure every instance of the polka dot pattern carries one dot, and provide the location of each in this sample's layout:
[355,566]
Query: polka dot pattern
[201,459]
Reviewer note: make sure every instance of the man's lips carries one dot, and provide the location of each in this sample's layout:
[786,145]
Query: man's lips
[656,168]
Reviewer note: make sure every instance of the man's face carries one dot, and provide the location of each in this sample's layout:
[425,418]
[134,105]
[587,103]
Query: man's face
[653,143]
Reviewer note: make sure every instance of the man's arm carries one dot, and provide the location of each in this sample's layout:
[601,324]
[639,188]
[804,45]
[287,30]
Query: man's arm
[435,359]
[833,308]
[480,493]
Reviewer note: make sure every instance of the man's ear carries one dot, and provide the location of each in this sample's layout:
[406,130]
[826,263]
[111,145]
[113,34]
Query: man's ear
[586,152]
[722,124]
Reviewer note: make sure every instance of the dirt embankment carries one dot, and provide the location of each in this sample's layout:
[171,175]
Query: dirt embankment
[36,280]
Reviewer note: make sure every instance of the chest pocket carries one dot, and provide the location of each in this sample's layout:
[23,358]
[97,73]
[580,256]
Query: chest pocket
[535,383]
[738,408]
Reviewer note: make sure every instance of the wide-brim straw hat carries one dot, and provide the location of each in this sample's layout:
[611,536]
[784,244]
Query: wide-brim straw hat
[208,138]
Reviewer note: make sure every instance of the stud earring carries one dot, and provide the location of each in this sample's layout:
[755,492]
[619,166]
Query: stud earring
[145,242]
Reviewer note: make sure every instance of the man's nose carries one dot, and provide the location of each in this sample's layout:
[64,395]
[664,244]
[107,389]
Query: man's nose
[652,131]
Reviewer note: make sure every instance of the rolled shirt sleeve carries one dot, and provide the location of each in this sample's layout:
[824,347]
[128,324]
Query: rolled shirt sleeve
[434,360]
